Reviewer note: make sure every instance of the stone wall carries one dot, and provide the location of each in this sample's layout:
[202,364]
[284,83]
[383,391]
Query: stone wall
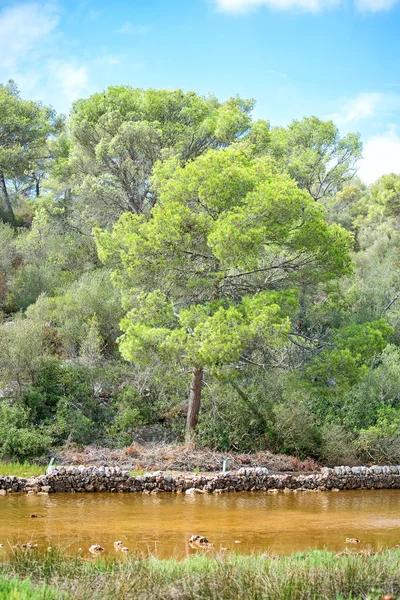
[113,479]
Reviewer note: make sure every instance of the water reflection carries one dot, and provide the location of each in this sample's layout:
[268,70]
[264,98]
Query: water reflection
[162,524]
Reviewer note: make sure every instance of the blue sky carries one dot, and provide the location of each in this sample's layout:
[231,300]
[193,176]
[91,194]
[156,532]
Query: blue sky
[336,59]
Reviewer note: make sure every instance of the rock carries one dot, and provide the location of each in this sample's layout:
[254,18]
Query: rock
[200,540]
[96,549]
[192,491]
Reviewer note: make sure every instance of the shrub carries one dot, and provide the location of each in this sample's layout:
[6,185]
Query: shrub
[20,439]
[338,447]
[381,442]
[295,430]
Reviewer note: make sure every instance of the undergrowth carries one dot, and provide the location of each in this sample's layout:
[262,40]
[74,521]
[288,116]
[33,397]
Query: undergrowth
[318,574]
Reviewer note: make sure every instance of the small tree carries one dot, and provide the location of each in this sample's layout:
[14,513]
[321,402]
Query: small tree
[24,129]
[215,267]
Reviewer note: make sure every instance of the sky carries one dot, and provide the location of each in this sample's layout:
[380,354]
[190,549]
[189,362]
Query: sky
[336,59]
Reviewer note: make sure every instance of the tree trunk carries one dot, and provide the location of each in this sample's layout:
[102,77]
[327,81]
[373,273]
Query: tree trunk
[194,402]
[7,199]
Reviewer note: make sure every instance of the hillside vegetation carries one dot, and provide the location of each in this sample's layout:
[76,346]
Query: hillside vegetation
[172,270]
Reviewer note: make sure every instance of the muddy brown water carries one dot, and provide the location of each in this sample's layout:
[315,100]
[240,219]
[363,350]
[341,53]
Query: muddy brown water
[162,524]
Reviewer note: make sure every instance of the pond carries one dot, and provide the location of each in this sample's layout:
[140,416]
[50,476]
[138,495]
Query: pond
[162,524]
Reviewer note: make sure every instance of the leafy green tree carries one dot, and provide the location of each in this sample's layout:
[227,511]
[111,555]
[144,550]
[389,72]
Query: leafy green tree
[25,127]
[214,269]
[351,353]
[22,348]
[379,387]
[315,155]
[347,206]
[381,442]
[117,136]
[386,192]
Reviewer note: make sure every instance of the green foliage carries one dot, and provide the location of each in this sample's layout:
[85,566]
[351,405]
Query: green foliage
[227,229]
[132,410]
[347,206]
[92,345]
[207,245]
[386,192]
[82,317]
[218,260]
[72,424]
[381,442]
[295,430]
[25,127]
[315,155]
[234,417]
[117,136]
[22,348]
[353,349]
[338,446]
[379,387]
[25,590]
[20,439]
[305,575]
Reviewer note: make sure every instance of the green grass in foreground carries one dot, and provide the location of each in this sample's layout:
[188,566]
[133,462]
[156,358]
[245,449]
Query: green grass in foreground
[14,589]
[318,574]
[24,469]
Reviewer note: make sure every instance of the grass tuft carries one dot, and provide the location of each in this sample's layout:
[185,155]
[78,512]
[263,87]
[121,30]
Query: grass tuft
[15,589]
[318,574]
[24,469]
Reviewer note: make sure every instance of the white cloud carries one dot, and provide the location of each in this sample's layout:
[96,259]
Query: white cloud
[381,156]
[375,5]
[361,107]
[69,79]
[314,6]
[34,52]
[22,28]
[238,6]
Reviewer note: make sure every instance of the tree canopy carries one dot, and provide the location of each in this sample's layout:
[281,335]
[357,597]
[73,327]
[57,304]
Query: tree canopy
[118,135]
[216,265]
[245,266]
[25,127]
[315,155]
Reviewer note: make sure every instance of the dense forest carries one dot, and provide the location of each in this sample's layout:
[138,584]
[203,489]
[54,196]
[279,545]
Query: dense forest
[171,268]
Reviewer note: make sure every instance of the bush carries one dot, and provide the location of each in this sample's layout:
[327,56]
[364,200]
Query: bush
[234,419]
[295,430]
[20,439]
[338,447]
[378,388]
[72,424]
[132,411]
[381,442]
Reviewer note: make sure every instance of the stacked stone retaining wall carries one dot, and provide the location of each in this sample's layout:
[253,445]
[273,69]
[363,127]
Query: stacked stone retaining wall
[113,479]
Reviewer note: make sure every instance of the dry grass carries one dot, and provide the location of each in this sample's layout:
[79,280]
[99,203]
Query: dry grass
[180,459]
